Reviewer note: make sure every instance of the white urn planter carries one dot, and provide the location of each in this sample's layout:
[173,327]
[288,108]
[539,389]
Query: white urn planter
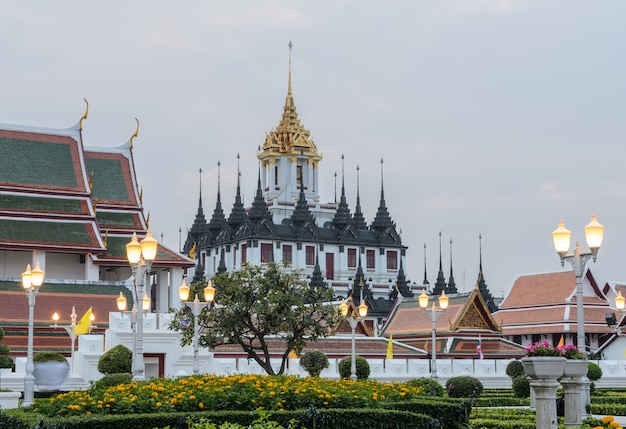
[50,375]
[576,368]
[9,399]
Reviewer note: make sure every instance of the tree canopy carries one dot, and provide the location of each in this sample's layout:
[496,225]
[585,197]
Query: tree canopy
[257,304]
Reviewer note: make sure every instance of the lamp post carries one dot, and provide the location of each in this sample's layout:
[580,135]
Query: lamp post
[434,314]
[611,320]
[354,319]
[140,256]
[31,282]
[594,233]
[196,308]
[145,306]
[69,329]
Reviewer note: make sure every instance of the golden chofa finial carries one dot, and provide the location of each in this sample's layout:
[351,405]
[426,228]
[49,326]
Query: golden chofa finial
[134,135]
[148,220]
[106,237]
[90,180]
[85,115]
[141,196]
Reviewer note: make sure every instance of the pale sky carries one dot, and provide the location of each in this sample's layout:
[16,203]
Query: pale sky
[493,117]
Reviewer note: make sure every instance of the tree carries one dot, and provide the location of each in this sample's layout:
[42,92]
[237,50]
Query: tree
[260,303]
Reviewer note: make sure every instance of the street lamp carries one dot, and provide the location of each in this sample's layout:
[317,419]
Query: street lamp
[354,319]
[594,233]
[434,314]
[611,320]
[121,306]
[69,329]
[196,308]
[140,256]
[31,282]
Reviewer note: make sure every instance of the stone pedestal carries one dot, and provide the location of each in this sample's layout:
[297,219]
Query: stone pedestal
[572,393]
[545,402]
[543,372]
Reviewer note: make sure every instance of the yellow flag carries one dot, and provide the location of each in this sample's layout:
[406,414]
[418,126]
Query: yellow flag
[561,342]
[390,347]
[84,326]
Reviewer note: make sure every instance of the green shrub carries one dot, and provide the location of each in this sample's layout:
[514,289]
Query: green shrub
[464,387]
[5,360]
[514,368]
[362,368]
[431,387]
[314,362]
[117,360]
[521,386]
[49,356]
[595,372]
[113,380]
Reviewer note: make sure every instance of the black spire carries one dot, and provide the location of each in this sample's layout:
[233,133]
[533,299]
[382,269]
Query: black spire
[482,286]
[342,216]
[451,285]
[425,282]
[301,213]
[238,214]
[359,220]
[221,268]
[199,227]
[218,220]
[401,284]
[317,280]
[382,220]
[440,285]
[259,210]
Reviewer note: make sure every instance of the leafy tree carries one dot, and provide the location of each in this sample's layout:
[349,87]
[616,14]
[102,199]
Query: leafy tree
[257,304]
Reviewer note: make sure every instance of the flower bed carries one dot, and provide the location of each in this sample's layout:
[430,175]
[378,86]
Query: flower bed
[241,392]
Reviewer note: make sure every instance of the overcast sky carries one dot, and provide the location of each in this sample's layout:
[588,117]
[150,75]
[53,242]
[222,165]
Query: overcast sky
[493,117]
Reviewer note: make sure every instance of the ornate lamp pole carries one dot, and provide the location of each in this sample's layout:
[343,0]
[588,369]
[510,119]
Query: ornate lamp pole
[31,282]
[196,308]
[594,233]
[354,319]
[69,329]
[140,256]
[434,314]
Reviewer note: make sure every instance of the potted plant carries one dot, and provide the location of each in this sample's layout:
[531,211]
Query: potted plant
[576,365]
[50,370]
[543,361]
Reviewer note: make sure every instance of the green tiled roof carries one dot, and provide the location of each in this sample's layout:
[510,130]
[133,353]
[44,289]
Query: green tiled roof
[108,179]
[122,220]
[89,288]
[66,233]
[41,204]
[29,162]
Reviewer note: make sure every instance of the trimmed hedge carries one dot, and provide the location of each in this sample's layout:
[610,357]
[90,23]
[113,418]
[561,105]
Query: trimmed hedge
[451,413]
[320,419]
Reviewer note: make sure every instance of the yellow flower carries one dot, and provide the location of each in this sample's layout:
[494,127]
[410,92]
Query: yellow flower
[607,419]
[201,405]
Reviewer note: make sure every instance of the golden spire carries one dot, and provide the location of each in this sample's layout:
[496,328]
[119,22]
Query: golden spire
[134,135]
[85,115]
[290,137]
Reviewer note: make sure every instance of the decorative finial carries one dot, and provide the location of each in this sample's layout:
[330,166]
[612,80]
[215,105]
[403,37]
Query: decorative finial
[136,133]
[141,196]
[90,180]
[148,220]
[85,115]
[289,92]
[106,237]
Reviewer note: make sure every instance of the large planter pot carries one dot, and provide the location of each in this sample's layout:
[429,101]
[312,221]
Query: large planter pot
[9,399]
[544,367]
[576,368]
[50,375]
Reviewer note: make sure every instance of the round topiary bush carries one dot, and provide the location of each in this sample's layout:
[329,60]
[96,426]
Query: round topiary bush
[464,387]
[362,368]
[117,360]
[514,369]
[431,387]
[595,372]
[113,380]
[48,357]
[521,386]
[314,362]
